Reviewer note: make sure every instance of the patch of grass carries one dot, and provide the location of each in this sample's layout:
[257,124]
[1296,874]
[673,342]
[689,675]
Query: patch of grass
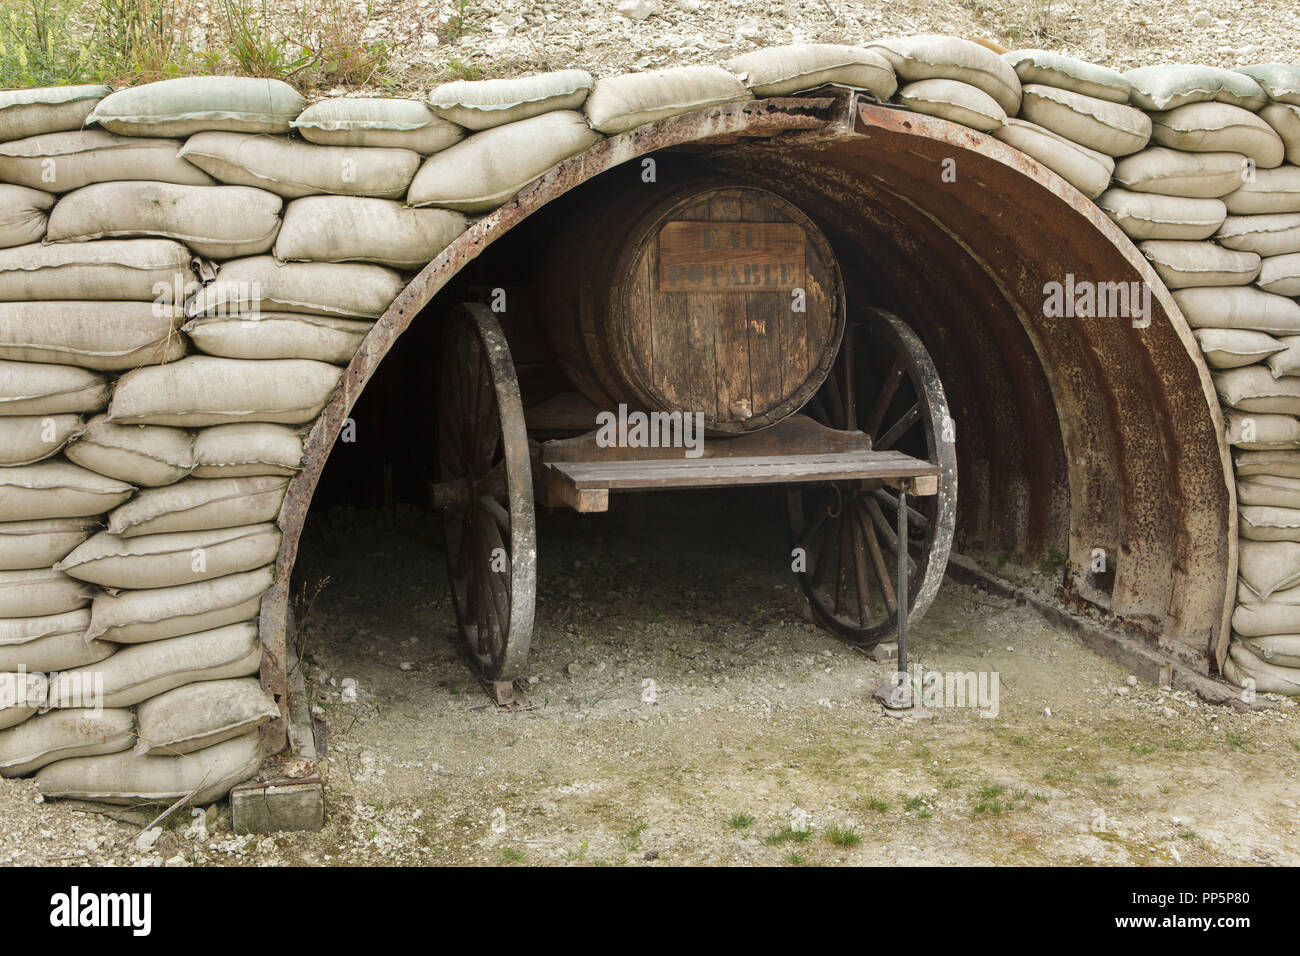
[1110,778]
[913,804]
[952,783]
[457,69]
[740,821]
[632,839]
[795,859]
[785,835]
[843,836]
[574,856]
[875,803]
[1141,749]
[987,791]
[1236,742]
[990,807]
[1021,741]
[512,854]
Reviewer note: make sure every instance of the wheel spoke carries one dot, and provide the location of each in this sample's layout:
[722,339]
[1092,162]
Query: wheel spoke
[910,418]
[842,571]
[886,532]
[878,561]
[915,520]
[860,571]
[892,381]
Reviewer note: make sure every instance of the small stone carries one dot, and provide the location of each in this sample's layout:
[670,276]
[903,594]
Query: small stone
[1202,19]
[348,694]
[1047,712]
[1168,711]
[635,9]
[1122,691]
[145,841]
[1132,681]
[406,666]
[573,668]
[688,6]
[176,860]
[651,855]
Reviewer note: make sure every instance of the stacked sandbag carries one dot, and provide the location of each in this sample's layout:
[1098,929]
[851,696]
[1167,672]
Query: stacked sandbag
[134,548]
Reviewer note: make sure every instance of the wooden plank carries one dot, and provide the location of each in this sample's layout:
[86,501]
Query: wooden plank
[796,435]
[706,472]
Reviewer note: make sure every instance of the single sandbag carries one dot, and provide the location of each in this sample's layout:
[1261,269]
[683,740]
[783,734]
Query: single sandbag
[141,671]
[136,617]
[62,162]
[1287,360]
[107,336]
[291,169]
[370,121]
[1276,234]
[47,109]
[199,504]
[39,592]
[1246,670]
[1285,121]
[51,642]
[624,102]
[40,543]
[110,269]
[482,104]
[1255,431]
[1171,172]
[1280,462]
[1266,523]
[278,335]
[144,455]
[1101,125]
[28,388]
[1218,128]
[931,56]
[348,229]
[254,448]
[57,489]
[1048,68]
[1232,348]
[1269,491]
[1281,81]
[190,718]
[490,167]
[27,439]
[1149,216]
[1254,389]
[1238,307]
[1268,566]
[1267,191]
[1085,169]
[1260,619]
[203,390]
[1280,275]
[23,213]
[62,734]
[201,777]
[346,290]
[782,70]
[164,560]
[218,222]
[21,696]
[1187,264]
[1169,87]
[1281,650]
[954,101]
[183,106]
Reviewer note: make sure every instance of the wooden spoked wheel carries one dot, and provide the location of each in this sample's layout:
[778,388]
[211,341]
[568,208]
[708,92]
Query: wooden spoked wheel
[486,495]
[885,384]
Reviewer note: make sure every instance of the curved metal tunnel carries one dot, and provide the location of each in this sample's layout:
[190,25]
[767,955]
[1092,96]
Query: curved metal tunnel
[1073,434]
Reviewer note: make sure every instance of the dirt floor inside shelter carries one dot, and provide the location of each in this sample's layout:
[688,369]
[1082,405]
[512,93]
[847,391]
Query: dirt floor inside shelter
[755,743]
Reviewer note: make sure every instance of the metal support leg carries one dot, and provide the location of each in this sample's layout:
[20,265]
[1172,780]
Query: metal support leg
[901,588]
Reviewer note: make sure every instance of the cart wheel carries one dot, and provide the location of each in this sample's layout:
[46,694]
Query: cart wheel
[885,384]
[486,494]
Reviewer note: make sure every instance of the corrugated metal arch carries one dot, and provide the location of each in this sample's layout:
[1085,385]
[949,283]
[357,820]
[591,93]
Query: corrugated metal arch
[1073,433]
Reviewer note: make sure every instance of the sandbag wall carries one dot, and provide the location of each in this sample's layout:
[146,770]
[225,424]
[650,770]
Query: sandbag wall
[186,266]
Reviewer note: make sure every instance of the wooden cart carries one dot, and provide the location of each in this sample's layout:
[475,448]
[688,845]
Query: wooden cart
[726,303]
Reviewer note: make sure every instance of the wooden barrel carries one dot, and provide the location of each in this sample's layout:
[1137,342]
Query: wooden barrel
[702,297]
